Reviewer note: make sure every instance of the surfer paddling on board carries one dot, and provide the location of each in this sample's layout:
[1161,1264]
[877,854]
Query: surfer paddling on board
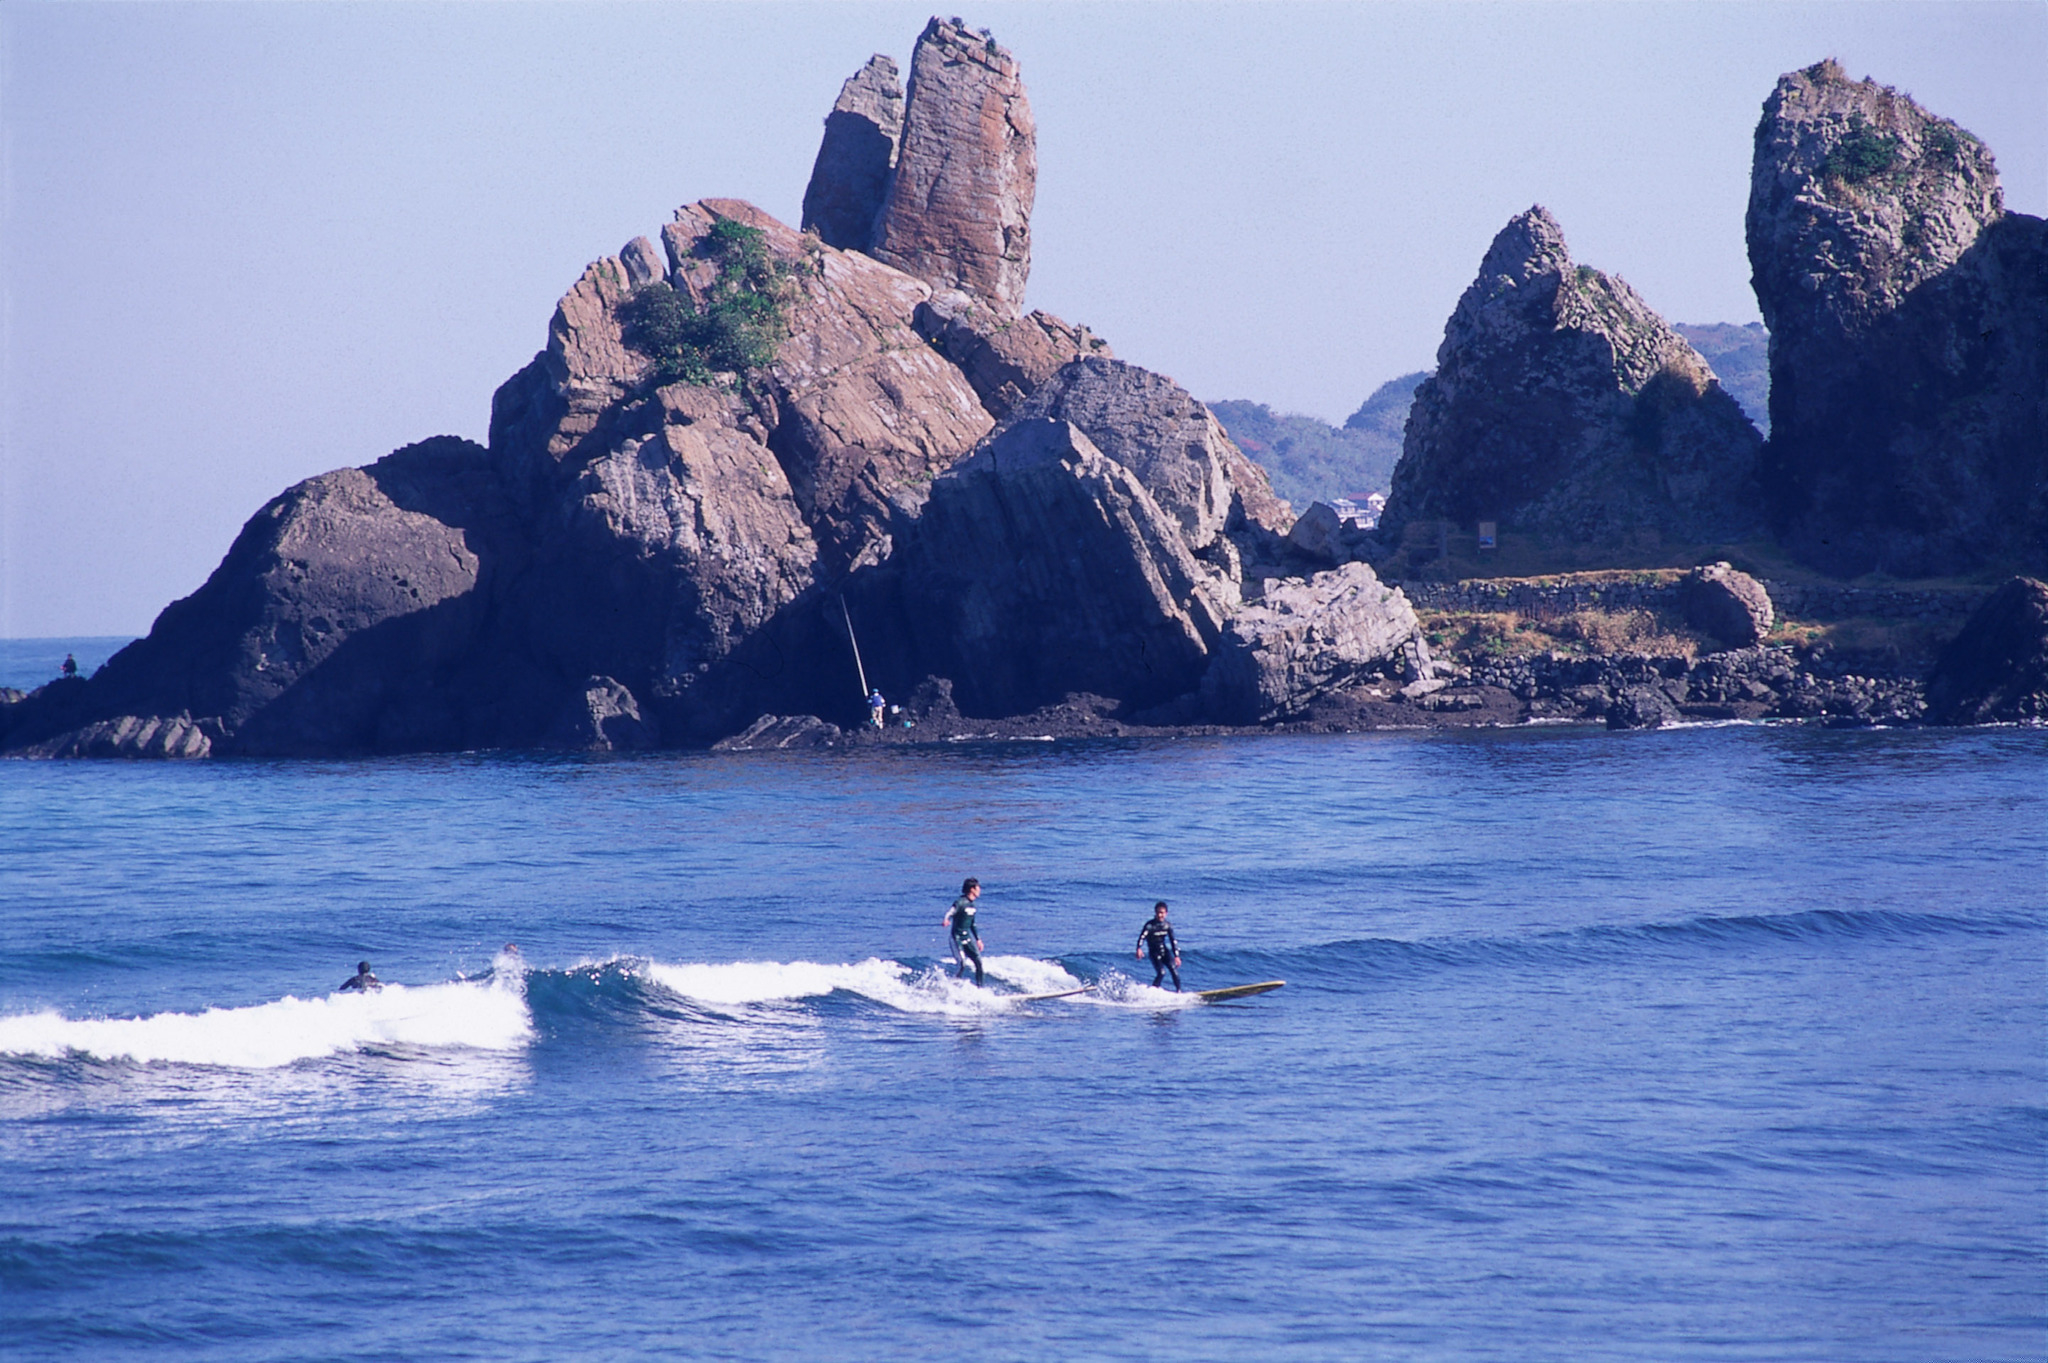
[959,920]
[362,982]
[1156,938]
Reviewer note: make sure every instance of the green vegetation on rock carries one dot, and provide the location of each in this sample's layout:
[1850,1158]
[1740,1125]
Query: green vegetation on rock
[744,316]
[1863,153]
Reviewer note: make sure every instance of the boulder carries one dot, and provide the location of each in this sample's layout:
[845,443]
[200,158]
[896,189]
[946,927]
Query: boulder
[1996,669]
[1153,427]
[958,214]
[1318,533]
[1305,639]
[851,176]
[1563,406]
[601,716]
[1642,707]
[1005,358]
[1727,604]
[774,732]
[1908,314]
[1041,566]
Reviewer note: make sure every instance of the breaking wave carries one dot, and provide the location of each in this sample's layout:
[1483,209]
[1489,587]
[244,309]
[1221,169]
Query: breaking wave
[481,1015]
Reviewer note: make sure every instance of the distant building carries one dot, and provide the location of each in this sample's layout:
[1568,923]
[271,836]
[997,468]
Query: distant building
[1362,511]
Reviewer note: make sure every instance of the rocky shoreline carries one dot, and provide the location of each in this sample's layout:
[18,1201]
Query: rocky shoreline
[754,462]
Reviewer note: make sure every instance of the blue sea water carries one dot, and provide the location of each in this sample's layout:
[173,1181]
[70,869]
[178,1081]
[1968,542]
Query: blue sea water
[1715,1043]
[26,664]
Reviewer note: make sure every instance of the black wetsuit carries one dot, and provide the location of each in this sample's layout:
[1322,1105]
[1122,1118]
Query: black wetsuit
[362,982]
[1156,937]
[964,938]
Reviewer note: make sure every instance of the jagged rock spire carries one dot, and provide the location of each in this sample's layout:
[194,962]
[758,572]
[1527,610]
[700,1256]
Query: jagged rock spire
[1909,321]
[958,213]
[850,179]
[1563,406]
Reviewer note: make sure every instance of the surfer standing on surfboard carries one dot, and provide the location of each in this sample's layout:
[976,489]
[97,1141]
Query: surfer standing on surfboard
[1156,937]
[966,937]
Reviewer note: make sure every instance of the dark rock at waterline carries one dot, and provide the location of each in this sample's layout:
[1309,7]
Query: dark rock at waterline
[1642,707]
[774,733]
[1997,667]
[602,716]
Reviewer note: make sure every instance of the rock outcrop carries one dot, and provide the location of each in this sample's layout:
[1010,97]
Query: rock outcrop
[1727,604]
[850,179]
[1041,566]
[958,214]
[1304,639]
[602,717]
[1997,668]
[1564,407]
[1005,358]
[1909,333]
[343,618]
[1153,427]
[681,518]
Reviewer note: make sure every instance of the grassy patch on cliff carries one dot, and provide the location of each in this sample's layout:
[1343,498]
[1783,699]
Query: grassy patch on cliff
[1475,636]
[735,329]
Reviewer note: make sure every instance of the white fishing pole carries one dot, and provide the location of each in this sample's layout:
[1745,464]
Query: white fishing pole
[859,670]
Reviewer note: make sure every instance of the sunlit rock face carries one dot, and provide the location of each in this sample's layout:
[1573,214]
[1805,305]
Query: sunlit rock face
[1564,406]
[1909,318]
[958,215]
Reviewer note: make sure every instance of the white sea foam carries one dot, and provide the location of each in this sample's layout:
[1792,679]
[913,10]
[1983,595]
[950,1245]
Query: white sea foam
[891,983]
[1118,990]
[265,1036]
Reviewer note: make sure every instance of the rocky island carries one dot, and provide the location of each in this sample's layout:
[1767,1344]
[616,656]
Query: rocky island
[758,468]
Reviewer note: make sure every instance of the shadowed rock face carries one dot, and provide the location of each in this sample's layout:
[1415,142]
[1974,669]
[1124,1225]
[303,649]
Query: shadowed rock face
[1041,566]
[345,617]
[851,177]
[1563,406]
[1909,319]
[958,215]
[1997,668]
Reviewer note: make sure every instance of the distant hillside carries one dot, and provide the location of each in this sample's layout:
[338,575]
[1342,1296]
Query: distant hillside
[1313,461]
[1741,357]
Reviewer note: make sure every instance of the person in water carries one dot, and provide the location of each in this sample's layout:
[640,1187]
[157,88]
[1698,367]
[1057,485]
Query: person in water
[959,920]
[1156,938]
[362,982]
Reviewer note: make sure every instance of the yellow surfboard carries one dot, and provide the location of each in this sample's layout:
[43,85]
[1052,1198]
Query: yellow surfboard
[1239,991]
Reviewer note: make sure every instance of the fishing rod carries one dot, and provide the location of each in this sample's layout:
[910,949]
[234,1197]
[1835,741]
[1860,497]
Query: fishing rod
[859,670]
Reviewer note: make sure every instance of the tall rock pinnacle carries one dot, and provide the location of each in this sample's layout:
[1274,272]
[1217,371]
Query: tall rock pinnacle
[1564,407]
[851,177]
[1909,322]
[958,213]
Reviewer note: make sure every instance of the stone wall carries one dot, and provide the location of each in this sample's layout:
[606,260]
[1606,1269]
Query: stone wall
[1797,602]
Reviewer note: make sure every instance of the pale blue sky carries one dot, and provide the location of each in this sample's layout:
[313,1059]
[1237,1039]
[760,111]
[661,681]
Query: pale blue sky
[245,244]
